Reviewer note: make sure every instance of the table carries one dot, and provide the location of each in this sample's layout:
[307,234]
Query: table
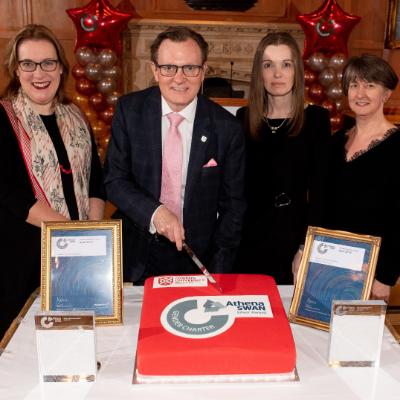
[116,347]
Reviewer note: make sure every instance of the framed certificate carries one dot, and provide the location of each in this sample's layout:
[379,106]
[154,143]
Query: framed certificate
[392,37]
[81,268]
[336,265]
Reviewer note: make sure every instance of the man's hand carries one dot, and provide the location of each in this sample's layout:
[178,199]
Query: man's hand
[380,291]
[168,225]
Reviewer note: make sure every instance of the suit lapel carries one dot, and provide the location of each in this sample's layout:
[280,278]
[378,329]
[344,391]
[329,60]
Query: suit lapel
[198,150]
[152,131]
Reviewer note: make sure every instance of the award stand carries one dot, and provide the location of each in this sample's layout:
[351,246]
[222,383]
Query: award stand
[356,333]
[66,346]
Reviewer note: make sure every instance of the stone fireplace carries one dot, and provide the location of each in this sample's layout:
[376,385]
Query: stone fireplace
[232,47]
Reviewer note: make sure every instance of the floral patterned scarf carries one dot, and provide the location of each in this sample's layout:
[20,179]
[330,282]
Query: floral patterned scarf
[40,156]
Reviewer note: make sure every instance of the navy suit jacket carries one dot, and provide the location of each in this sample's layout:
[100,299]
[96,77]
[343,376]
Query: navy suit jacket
[214,201]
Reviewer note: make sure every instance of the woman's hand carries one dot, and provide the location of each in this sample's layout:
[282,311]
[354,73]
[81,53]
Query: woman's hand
[380,291]
[296,264]
[42,212]
[96,208]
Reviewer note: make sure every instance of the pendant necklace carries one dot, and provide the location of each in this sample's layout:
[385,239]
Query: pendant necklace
[274,128]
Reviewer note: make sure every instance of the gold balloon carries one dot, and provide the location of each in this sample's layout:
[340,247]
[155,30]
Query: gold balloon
[337,61]
[113,72]
[317,61]
[98,127]
[107,58]
[80,100]
[334,91]
[93,71]
[327,76]
[90,115]
[112,98]
[84,55]
[106,85]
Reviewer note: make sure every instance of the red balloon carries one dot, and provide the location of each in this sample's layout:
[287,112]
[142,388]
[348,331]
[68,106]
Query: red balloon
[84,86]
[316,92]
[329,105]
[340,104]
[107,114]
[78,71]
[327,29]
[336,122]
[98,24]
[309,76]
[98,102]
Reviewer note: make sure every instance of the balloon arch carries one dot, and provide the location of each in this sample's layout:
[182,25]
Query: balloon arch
[97,71]
[327,30]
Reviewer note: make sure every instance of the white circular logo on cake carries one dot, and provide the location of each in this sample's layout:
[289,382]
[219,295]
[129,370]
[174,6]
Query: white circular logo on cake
[197,317]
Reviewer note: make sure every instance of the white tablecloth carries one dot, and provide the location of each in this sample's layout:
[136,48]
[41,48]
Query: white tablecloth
[116,350]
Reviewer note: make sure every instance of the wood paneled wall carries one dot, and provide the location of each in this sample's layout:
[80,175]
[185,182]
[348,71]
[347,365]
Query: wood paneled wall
[368,35]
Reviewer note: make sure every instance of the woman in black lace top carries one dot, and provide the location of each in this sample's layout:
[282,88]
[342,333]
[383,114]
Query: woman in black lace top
[364,167]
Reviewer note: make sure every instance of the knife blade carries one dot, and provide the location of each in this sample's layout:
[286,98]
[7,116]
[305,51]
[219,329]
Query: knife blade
[202,267]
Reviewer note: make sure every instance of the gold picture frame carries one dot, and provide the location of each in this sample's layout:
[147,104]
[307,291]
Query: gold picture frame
[392,39]
[81,268]
[336,265]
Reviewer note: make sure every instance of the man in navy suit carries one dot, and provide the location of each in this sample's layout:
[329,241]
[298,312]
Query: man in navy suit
[210,218]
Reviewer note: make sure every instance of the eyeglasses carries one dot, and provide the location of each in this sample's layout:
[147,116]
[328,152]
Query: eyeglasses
[170,70]
[48,65]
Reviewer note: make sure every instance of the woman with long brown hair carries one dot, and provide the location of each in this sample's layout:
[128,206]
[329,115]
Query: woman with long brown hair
[286,153]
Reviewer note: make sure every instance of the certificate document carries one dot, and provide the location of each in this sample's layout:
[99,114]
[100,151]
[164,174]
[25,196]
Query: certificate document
[81,268]
[336,265]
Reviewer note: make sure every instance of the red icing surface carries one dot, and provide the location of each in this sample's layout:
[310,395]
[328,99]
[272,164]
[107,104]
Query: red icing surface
[249,346]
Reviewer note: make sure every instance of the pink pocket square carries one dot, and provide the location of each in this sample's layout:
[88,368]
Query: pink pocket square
[211,163]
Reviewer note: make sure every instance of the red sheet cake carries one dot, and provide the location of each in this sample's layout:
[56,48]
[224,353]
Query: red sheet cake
[191,331]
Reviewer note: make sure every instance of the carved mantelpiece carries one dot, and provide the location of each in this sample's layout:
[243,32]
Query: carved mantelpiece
[229,42]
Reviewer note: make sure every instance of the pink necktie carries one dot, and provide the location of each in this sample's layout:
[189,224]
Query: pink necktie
[171,180]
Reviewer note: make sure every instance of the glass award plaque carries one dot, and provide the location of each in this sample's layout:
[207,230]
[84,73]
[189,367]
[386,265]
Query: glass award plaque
[356,333]
[66,346]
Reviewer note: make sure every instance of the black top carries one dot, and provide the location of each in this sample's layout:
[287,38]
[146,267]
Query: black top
[284,178]
[50,121]
[363,197]
[20,241]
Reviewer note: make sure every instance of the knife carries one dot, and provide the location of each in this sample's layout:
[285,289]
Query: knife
[203,269]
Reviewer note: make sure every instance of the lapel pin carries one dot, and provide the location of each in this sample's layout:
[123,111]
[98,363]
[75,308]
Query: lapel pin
[204,139]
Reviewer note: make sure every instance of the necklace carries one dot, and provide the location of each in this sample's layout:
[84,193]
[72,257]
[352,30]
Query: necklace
[274,128]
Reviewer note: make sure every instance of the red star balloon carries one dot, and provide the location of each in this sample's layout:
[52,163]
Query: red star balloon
[327,29]
[99,25]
